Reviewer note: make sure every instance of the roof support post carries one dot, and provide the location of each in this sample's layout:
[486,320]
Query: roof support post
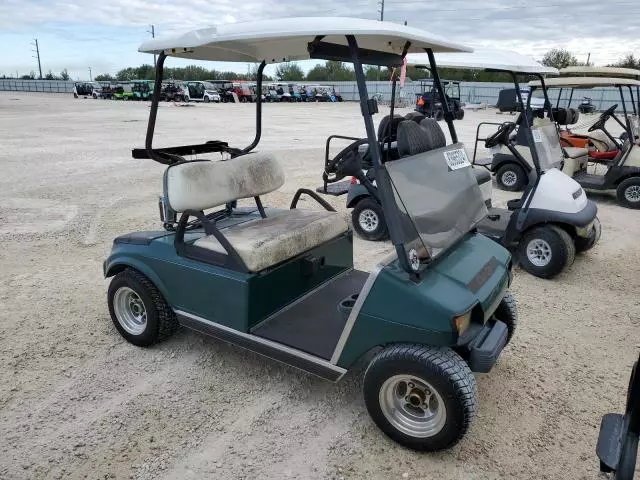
[256,140]
[448,115]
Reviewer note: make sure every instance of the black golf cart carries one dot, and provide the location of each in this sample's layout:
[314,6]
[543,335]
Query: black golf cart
[282,282]
[429,102]
[617,446]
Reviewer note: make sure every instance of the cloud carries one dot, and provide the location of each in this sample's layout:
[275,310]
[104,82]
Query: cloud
[107,33]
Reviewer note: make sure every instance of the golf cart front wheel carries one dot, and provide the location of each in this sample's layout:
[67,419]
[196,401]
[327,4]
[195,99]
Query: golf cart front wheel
[628,193]
[583,244]
[507,313]
[138,310]
[511,177]
[546,251]
[422,397]
[368,220]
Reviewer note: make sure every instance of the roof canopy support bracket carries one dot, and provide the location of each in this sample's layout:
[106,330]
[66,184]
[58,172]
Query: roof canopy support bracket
[341,53]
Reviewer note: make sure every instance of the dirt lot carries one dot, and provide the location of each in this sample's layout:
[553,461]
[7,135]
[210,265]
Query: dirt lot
[76,401]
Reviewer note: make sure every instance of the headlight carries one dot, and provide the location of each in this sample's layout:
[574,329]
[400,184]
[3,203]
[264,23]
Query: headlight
[461,322]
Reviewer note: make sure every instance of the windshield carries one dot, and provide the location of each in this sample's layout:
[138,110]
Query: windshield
[209,86]
[438,197]
[547,145]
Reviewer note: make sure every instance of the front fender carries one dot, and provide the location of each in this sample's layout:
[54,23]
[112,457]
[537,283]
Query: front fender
[356,192]
[116,262]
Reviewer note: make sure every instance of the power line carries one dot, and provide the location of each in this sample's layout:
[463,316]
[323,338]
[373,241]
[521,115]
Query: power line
[37,55]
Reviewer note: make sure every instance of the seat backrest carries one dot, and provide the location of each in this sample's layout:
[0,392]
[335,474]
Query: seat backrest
[412,139]
[432,127]
[388,127]
[207,184]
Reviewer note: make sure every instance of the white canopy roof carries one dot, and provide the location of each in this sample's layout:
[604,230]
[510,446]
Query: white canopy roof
[485,59]
[585,82]
[606,71]
[286,39]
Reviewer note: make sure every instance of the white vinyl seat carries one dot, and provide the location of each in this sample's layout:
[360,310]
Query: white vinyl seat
[576,152]
[265,242]
[259,243]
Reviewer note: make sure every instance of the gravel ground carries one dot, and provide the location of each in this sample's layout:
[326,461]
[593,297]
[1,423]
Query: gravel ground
[76,401]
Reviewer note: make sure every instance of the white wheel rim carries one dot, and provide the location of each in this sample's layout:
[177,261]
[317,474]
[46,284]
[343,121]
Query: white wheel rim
[368,220]
[509,178]
[539,252]
[130,310]
[632,193]
[412,406]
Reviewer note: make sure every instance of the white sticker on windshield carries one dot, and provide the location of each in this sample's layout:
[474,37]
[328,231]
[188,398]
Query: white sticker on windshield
[537,136]
[457,159]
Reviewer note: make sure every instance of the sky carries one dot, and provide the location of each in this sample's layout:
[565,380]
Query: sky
[104,35]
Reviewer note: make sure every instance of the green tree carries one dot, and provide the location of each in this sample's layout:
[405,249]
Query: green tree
[289,72]
[630,61]
[559,58]
[339,72]
[50,76]
[104,77]
[30,76]
[64,75]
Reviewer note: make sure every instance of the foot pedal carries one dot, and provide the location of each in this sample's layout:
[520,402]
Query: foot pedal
[494,217]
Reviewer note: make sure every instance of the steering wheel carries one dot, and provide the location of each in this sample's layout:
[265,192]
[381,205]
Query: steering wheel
[343,163]
[606,115]
[501,135]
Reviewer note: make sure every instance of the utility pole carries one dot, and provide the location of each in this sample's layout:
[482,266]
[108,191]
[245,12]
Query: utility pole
[90,77]
[37,50]
[153,35]
[381,11]
[588,58]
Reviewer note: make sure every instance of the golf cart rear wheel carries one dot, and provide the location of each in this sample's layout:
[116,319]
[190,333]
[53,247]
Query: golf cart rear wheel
[546,251]
[511,177]
[508,314]
[628,193]
[368,220]
[583,244]
[207,99]
[460,114]
[138,310]
[422,397]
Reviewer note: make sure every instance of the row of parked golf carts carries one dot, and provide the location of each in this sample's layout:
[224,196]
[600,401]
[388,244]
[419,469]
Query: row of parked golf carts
[281,282]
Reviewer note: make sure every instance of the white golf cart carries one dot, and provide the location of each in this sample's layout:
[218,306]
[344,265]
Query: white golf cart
[553,219]
[616,166]
[201,92]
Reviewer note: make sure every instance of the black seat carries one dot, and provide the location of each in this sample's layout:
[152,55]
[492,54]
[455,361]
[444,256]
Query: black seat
[416,138]
[514,204]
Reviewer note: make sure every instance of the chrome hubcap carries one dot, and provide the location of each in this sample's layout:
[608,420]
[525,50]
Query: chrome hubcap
[632,193]
[412,406]
[539,252]
[509,178]
[368,220]
[130,310]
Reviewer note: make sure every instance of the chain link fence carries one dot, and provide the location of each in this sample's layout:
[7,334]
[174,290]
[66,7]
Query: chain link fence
[470,92]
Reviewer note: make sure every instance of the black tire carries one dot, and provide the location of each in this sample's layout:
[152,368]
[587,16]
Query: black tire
[438,115]
[507,313]
[369,207]
[511,177]
[243,99]
[628,193]
[415,116]
[206,99]
[446,374]
[585,244]
[161,321]
[460,114]
[560,245]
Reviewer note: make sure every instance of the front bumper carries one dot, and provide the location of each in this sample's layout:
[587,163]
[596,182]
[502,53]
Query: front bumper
[485,349]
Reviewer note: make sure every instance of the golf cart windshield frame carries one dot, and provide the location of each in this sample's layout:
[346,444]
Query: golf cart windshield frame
[326,51]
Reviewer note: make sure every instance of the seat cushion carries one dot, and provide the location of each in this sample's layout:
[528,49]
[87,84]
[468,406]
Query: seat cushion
[576,152]
[265,242]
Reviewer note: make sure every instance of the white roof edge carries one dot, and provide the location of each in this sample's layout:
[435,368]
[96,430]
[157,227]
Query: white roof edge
[279,40]
[617,72]
[585,82]
[485,59]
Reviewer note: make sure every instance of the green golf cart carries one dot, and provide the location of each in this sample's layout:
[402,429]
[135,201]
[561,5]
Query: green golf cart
[123,91]
[141,89]
[281,282]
